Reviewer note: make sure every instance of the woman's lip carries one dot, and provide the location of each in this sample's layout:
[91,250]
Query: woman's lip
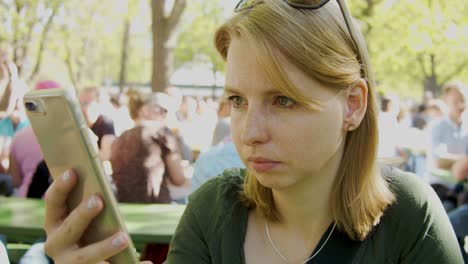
[263,166]
[261,160]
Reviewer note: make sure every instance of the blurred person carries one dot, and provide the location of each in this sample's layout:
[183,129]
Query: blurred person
[404,116]
[446,196]
[120,113]
[40,181]
[305,126]
[143,160]
[12,115]
[414,139]
[420,118]
[11,86]
[460,168]
[436,109]
[389,128]
[459,220]
[198,125]
[187,108]
[99,123]
[449,137]
[6,183]
[174,114]
[147,156]
[223,125]
[214,162]
[427,97]
[154,107]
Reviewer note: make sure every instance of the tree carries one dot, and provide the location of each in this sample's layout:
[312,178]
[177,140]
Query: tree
[86,40]
[164,37]
[27,25]
[415,45]
[125,51]
[195,45]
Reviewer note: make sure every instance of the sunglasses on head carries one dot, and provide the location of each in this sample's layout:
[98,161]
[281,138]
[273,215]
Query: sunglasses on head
[358,42]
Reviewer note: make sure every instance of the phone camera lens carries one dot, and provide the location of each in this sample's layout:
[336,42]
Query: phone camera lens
[30,106]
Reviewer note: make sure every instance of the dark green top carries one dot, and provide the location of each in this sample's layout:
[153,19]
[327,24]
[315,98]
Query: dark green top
[415,229]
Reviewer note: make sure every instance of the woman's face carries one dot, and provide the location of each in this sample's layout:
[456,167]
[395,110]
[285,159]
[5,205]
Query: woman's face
[280,141]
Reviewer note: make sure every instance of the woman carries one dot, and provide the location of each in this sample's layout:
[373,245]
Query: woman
[146,157]
[304,124]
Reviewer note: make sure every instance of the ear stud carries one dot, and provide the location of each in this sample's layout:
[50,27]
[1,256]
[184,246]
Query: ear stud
[351,128]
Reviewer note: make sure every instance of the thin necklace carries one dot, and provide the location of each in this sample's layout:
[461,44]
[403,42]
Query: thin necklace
[281,255]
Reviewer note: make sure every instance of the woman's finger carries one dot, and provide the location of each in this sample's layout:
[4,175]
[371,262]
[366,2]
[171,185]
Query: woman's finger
[71,230]
[99,251]
[55,200]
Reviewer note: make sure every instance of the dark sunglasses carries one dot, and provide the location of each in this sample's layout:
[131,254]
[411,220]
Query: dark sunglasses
[359,43]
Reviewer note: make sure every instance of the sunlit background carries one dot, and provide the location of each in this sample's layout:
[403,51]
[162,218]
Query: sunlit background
[414,44]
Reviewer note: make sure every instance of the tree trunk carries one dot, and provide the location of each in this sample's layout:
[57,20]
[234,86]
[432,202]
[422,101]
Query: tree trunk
[162,61]
[164,38]
[213,71]
[125,50]
[430,84]
[44,33]
[430,80]
[69,63]
[16,34]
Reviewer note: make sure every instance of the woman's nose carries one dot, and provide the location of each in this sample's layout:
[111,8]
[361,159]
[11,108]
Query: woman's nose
[255,130]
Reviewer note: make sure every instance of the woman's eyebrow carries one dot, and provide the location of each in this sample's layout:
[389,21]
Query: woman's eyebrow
[233,90]
[230,89]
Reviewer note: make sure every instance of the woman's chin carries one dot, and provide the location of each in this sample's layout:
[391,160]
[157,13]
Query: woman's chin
[273,181]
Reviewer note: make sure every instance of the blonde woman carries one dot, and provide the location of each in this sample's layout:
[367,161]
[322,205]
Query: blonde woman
[303,121]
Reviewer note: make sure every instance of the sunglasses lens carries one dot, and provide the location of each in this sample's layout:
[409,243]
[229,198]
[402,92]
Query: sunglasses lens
[306,2]
[245,4]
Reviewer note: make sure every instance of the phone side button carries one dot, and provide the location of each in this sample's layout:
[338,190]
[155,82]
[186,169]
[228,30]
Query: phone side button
[93,148]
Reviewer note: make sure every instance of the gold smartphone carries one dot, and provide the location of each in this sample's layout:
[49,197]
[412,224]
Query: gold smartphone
[63,135]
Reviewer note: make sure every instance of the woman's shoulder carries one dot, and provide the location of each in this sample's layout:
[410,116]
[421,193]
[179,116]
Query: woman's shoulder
[416,211]
[221,190]
[416,223]
[217,205]
[411,191]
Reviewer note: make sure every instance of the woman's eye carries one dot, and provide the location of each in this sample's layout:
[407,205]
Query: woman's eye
[284,101]
[236,101]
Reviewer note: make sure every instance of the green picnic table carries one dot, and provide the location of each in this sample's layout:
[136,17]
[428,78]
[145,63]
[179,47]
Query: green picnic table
[21,221]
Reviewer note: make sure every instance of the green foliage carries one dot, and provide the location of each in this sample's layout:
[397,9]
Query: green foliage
[85,39]
[405,34]
[195,43]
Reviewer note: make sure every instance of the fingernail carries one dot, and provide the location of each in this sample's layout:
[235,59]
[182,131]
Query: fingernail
[119,240]
[92,202]
[66,176]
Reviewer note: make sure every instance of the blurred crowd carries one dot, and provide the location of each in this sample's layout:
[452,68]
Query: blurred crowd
[159,147]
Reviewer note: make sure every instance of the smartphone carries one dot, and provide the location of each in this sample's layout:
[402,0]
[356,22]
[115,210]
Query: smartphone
[63,135]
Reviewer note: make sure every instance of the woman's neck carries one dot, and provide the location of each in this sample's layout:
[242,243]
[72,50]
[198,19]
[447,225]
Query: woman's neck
[306,205]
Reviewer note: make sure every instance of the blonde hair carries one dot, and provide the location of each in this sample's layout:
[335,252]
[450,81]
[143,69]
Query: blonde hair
[318,43]
[136,100]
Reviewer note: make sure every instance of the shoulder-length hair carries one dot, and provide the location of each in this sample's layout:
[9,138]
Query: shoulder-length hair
[318,43]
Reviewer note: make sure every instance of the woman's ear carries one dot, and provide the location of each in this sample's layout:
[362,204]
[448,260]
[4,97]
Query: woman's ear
[356,104]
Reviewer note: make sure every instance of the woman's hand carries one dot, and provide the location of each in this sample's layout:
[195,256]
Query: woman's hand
[64,228]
